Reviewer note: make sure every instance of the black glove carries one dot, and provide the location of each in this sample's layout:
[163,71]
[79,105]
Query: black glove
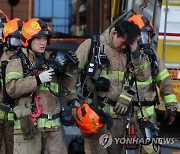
[72,56]
[75,103]
[27,127]
[169,116]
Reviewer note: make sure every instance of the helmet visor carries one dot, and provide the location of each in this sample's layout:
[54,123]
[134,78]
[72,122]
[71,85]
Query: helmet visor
[1,29]
[145,37]
[16,42]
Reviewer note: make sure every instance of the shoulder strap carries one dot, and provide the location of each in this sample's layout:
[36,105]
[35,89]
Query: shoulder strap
[94,42]
[154,66]
[154,69]
[26,64]
[1,50]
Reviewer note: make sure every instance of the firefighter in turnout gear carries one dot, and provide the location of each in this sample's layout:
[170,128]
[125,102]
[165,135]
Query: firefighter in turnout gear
[104,86]
[10,35]
[149,72]
[34,85]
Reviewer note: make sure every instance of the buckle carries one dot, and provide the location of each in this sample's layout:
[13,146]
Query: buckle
[49,117]
[105,100]
[11,109]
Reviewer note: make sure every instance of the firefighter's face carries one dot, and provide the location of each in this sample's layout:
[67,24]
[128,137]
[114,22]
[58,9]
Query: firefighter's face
[118,41]
[38,44]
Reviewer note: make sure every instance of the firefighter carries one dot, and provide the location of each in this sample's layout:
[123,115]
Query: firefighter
[34,85]
[150,71]
[104,86]
[6,115]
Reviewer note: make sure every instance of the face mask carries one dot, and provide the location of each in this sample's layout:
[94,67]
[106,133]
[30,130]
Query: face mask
[145,37]
[145,41]
[15,42]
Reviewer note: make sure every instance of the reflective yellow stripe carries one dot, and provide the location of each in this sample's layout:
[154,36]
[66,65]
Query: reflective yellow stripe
[74,91]
[53,86]
[147,82]
[10,116]
[47,123]
[112,110]
[170,99]
[125,97]
[142,67]
[81,65]
[17,124]
[88,100]
[2,114]
[113,75]
[14,75]
[149,111]
[109,109]
[162,75]
[41,122]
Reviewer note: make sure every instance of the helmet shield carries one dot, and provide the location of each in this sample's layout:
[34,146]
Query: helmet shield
[145,41]
[145,37]
[1,29]
[59,62]
[16,42]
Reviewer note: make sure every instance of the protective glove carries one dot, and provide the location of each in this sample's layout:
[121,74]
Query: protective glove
[46,76]
[124,100]
[121,106]
[169,116]
[74,105]
[27,127]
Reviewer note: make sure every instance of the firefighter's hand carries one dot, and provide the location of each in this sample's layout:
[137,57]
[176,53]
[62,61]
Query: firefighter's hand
[124,100]
[46,76]
[169,116]
[120,108]
[27,127]
[74,105]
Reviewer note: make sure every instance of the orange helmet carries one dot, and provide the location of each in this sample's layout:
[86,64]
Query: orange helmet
[143,23]
[87,120]
[12,28]
[145,26]
[3,20]
[34,28]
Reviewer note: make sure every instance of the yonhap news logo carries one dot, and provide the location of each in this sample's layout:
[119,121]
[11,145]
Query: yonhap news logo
[105,140]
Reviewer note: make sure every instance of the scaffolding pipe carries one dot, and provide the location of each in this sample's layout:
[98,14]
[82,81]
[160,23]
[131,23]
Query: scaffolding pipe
[165,26]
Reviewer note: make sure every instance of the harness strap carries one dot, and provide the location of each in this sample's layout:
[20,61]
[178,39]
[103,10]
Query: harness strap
[5,108]
[50,117]
[144,103]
